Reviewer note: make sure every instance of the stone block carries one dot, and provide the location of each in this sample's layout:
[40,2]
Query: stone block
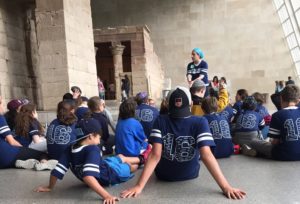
[53,5]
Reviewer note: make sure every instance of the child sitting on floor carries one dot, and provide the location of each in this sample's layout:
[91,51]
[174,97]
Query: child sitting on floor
[29,131]
[179,140]
[86,164]
[284,130]
[61,131]
[130,138]
[219,128]
[248,123]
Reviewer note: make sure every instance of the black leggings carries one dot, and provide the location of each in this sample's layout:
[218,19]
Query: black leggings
[27,153]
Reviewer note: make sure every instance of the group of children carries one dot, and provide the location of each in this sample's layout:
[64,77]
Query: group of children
[192,125]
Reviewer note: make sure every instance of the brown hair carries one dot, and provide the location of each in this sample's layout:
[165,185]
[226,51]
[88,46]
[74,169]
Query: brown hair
[290,93]
[64,113]
[127,109]
[93,103]
[260,99]
[209,105]
[164,107]
[242,93]
[25,119]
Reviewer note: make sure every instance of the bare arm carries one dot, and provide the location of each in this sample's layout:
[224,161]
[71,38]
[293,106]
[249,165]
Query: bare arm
[94,184]
[150,165]
[11,140]
[48,188]
[214,169]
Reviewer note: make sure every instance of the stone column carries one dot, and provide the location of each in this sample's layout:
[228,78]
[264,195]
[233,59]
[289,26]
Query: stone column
[117,51]
[66,54]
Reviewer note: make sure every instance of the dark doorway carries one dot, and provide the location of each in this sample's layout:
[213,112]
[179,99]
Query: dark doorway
[105,66]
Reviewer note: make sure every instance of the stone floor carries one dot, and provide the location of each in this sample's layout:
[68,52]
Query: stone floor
[264,181]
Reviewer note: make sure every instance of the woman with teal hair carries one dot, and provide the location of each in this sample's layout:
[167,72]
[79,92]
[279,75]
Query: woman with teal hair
[197,69]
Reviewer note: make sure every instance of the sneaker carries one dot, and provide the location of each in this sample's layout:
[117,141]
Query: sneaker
[246,150]
[49,165]
[26,164]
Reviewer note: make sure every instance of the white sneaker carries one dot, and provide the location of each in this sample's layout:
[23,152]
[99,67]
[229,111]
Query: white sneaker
[26,164]
[246,150]
[49,165]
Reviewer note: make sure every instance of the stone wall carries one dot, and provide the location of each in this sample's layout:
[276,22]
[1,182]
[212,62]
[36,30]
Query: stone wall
[15,78]
[242,40]
[65,49]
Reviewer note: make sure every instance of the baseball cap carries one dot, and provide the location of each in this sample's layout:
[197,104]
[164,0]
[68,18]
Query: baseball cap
[14,104]
[74,88]
[179,102]
[198,83]
[142,95]
[87,126]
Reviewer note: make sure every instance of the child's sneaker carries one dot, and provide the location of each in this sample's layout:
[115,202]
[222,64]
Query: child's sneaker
[26,164]
[48,165]
[246,150]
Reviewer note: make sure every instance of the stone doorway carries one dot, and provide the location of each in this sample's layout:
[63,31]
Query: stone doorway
[106,69]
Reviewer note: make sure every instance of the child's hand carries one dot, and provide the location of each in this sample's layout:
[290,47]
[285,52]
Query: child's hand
[132,192]
[110,200]
[42,189]
[234,193]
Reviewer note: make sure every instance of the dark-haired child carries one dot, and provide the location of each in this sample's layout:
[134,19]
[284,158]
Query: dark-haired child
[240,96]
[61,131]
[130,139]
[85,162]
[248,123]
[219,127]
[284,130]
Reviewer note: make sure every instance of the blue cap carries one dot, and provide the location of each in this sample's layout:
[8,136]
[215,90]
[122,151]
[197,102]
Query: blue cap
[87,126]
[199,52]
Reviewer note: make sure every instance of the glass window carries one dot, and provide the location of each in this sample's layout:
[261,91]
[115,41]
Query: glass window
[295,4]
[296,54]
[278,3]
[292,42]
[287,27]
[283,14]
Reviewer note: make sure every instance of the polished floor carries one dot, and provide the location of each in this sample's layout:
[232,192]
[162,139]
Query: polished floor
[264,181]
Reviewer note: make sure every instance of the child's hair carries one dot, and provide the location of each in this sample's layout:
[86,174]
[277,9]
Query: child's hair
[64,113]
[94,103]
[242,93]
[249,103]
[164,107]
[260,99]
[67,96]
[194,90]
[281,83]
[290,93]
[127,109]
[224,79]
[24,119]
[215,78]
[209,105]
